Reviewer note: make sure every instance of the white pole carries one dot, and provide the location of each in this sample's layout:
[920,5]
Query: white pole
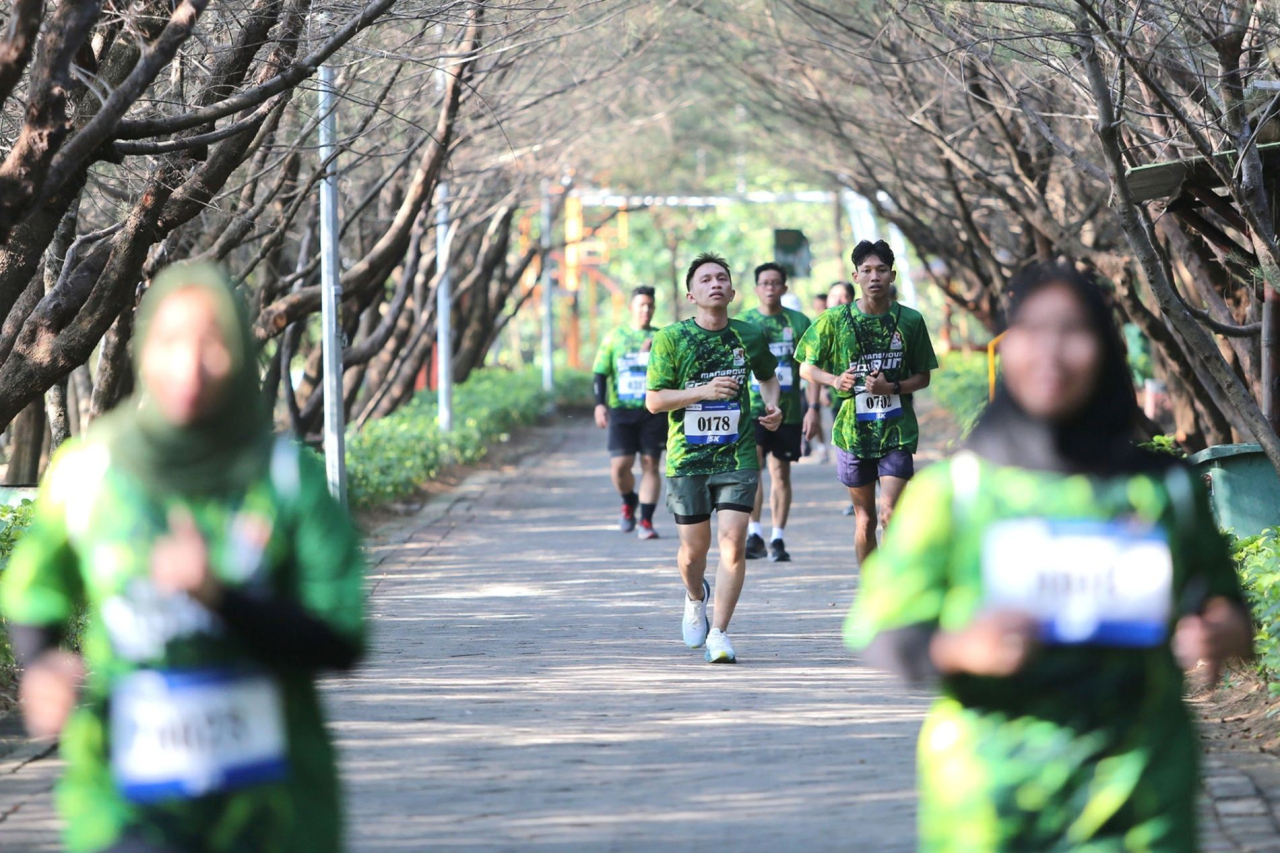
[444,315]
[548,301]
[331,297]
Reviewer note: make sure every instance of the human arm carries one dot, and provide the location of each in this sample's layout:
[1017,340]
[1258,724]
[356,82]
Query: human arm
[600,387]
[878,384]
[842,382]
[770,391]
[671,399]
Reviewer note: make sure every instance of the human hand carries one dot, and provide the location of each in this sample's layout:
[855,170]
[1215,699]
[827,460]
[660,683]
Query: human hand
[812,424]
[877,384]
[48,692]
[602,416]
[180,561]
[720,388]
[846,382]
[1210,638]
[996,644]
[772,418]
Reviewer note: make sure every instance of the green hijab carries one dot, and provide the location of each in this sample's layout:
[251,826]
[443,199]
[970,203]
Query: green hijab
[229,448]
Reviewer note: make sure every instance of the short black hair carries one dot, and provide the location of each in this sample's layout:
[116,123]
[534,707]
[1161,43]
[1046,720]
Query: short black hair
[821,297]
[643,290]
[706,258]
[866,248]
[776,267]
[848,289]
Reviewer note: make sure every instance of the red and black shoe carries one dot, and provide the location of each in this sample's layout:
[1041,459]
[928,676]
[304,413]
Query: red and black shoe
[646,530]
[627,522]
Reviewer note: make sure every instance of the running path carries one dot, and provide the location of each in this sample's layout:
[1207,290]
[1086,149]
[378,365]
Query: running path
[528,689]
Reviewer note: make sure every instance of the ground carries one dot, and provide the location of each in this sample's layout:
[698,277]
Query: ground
[527,690]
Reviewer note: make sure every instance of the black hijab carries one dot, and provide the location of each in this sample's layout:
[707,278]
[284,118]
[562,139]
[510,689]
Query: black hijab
[1100,438]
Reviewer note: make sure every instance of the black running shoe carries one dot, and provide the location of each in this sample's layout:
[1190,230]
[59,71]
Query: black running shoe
[755,547]
[778,552]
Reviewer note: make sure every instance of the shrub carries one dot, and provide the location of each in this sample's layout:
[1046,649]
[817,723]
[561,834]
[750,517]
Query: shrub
[960,386]
[1258,563]
[392,457]
[15,520]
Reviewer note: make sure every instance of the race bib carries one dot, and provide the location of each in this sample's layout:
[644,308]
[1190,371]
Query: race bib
[632,374]
[711,423]
[185,733]
[1104,583]
[877,407]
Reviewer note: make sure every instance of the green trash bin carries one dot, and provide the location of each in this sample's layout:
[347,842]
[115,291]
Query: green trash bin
[1244,488]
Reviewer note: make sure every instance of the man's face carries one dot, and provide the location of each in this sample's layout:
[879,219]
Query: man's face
[875,277]
[642,310]
[819,304]
[710,287]
[839,295]
[769,288]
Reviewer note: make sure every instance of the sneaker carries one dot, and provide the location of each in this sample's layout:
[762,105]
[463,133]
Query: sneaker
[719,649]
[627,522]
[847,510]
[755,547]
[695,625]
[647,531]
[778,552]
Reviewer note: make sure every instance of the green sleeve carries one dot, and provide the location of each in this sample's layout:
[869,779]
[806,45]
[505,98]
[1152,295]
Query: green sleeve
[922,355]
[905,581]
[814,346]
[326,554]
[662,363]
[41,585]
[604,357]
[801,326]
[764,363]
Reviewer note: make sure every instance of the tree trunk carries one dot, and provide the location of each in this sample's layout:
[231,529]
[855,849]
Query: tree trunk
[26,446]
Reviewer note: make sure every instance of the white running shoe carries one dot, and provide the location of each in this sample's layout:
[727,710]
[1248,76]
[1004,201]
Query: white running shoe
[719,649]
[695,624]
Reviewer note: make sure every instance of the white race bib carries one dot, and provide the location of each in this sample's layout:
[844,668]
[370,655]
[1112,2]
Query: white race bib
[711,423]
[876,407]
[1105,583]
[186,733]
[632,375]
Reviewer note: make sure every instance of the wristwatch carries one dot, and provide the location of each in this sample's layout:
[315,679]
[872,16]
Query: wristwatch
[897,387]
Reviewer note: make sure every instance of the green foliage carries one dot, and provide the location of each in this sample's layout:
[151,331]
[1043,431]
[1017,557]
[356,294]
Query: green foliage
[15,520]
[1258,563]
[960,386]
[392,457]
[1165,444]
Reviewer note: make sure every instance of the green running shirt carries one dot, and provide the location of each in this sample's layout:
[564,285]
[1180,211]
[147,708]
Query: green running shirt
[898,343]
[710,437]
[782,331]
[624,358]
[1089,747]
[88,550]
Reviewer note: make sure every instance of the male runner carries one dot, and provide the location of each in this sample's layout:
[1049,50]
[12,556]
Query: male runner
[698,371]
[619,384]
[877,353]
[840,293]
[782,328]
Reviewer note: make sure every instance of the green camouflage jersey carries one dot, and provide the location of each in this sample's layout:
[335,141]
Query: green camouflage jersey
[711,437]
[624,358]
[782,330]
[181,733]
[898,344]
[1089,747]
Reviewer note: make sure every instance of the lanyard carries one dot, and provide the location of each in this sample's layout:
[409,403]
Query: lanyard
[857,333]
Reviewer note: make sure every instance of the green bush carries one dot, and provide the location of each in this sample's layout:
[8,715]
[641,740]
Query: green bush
[392,457]
[1258,562]
[15,520]
[960,385]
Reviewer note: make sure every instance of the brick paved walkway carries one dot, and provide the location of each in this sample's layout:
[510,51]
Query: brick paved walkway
[527,690]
